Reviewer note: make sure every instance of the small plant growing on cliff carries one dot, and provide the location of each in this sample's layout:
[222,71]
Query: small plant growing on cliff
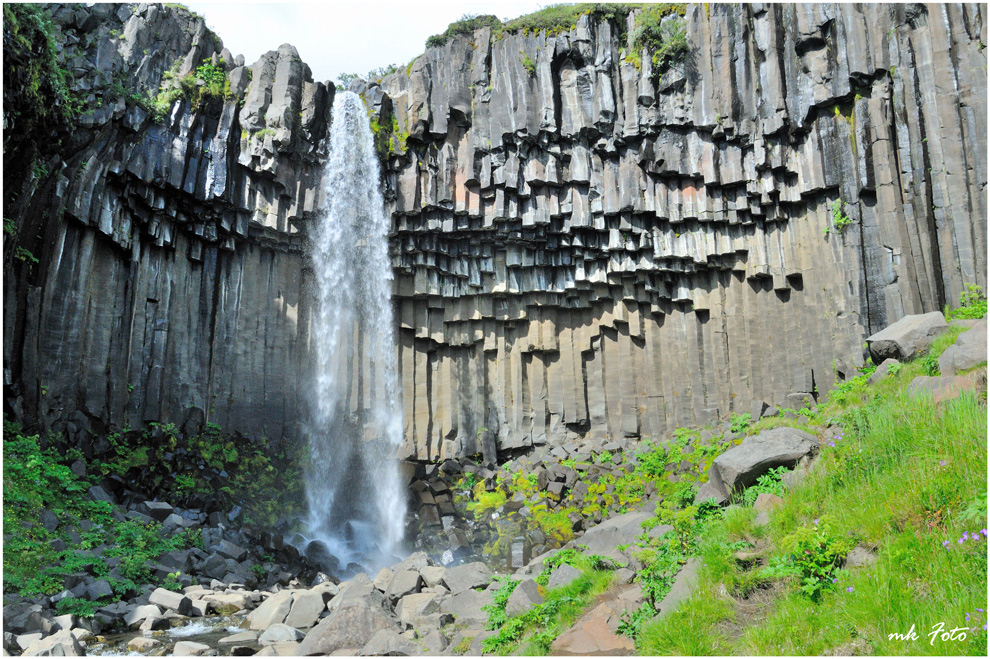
[528,63]
[663,33]
[839,220]
[974,304]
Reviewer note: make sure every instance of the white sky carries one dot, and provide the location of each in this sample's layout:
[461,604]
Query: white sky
[343,37]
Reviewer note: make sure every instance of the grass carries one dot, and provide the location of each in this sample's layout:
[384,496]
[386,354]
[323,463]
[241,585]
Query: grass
[905,476]
[532,633]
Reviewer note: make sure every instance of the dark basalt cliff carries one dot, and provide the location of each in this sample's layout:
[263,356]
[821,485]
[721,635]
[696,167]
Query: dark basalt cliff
[581,244]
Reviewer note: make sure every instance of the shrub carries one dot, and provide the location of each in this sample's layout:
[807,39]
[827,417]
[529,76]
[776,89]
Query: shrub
[768,483]
[467,24]
[528,63]
[839,220]
[974,304]
[663,32]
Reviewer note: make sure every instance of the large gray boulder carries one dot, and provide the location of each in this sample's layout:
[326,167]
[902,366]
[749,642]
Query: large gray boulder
[618,530]
[969,350]
[60,644]
[466,607]
[739,467]
[907,338]
[168,600]
[524,596]
[388,643]
[351,625]
[467,576]
[305,610]
[272,611]
[280,633]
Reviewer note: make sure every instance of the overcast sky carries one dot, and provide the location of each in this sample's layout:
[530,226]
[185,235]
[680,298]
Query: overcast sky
[343,37]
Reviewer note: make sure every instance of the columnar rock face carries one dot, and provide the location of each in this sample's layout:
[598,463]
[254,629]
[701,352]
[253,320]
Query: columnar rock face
[593,246]
[581,246]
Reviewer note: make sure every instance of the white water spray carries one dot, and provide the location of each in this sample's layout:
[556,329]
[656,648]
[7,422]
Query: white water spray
[356,503]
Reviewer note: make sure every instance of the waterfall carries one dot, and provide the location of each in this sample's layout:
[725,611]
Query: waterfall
[356,501]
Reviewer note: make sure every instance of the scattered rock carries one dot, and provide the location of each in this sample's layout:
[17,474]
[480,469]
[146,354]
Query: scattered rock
[969,350]
[404,582]
[465,577]
[139,614]
[280,633]
[466,607]
[524,596]
[860,556]
[944,387]
[591,636]
[741,465]
[907,338]
[882,371]
[352,625]
[272,611]
[563,576]
[305,610]
[619,530]
[242,637]
[61,643]
[189,649]
[142,644]
[766,501]
[388,643]
[173,601]
[684,584]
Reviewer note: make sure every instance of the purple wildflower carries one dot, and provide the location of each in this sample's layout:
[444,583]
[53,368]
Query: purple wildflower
[967,617]
[942,463]
[849,589]
[961,540]
[815,522]
[834,580]
[980,610]
[983,531]
[945,543]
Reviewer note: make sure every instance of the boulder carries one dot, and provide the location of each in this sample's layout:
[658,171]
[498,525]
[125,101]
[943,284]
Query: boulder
[189,649]
[272,611]
[230,550]
[139,614]
[466,607]
[24,641]
[465,577]
[432,575]
[524,596]
[860,556]
[591,636]
[766,501]
[280,633]
[907,338]
[619,530]
[382,579]
[433,643]
[98,590]
[404,582]
[416,605]
[969,350]
[173,601]
[684,585]
[351,625]
[741,465]
[945,387]
[564,575]
[882,371]
[236,639]
[60,644]
[388,643]
[156,510]
[142,644]
[305,610]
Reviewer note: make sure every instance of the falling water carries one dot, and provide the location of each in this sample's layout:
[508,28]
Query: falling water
[356,503]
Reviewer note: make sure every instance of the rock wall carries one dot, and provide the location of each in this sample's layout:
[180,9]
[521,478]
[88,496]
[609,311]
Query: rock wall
[593,246]
[172,266]
[590,247]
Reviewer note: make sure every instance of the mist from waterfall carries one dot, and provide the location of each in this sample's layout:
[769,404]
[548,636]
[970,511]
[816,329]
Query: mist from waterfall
[356,501]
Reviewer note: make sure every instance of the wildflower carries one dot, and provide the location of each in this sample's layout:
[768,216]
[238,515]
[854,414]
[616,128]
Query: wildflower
[815,522]
[965,535]
[983,531]
[834,580]
[945,543]
[975,537]
[967,617]
[980,610]
[961,540]
[942,463]
[849,589]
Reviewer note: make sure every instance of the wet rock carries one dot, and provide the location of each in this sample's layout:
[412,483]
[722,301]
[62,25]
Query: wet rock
[142,644]
[166,599]
[280,633]
[190,649]
[272,611]
[139,614]
[241,637]
[232,551]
